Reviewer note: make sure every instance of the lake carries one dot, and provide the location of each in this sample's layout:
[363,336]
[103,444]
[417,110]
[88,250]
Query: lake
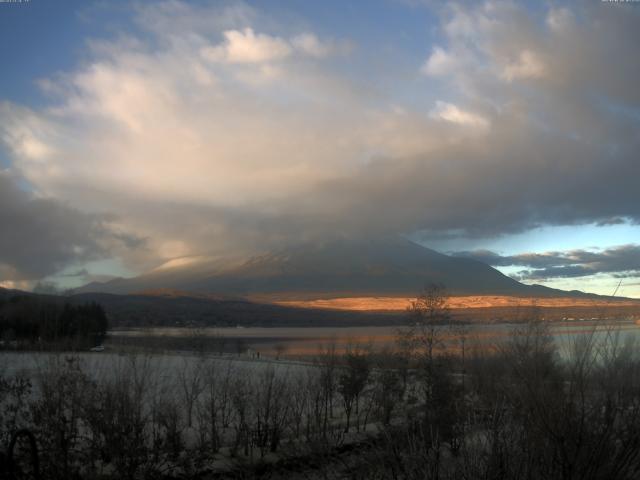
[308,341]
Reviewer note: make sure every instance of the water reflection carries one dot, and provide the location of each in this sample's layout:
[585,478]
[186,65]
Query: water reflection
[301,341]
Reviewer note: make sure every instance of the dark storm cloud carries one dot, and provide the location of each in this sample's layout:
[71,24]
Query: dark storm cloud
[130,240]
[82,272]
[611,221]
[622,261]
[487,187]
[41,236]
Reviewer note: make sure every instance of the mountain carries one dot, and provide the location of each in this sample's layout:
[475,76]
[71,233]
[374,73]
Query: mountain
[338,268]
[8,293]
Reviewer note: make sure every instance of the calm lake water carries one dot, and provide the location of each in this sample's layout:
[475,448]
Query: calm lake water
[288,343]
[311,340]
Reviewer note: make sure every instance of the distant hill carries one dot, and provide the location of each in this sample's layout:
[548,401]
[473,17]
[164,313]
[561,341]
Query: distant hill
[6,293]
[340,268]
[185,311]
[171,308]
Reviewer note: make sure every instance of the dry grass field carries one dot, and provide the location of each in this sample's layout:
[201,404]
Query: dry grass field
[456,302]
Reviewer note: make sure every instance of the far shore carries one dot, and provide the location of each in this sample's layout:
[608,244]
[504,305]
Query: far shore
[458,302]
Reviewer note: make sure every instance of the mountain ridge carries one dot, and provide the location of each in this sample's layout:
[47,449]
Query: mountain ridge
[337,268]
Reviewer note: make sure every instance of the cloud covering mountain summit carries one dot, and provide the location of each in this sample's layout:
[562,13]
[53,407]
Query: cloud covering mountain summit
[207,129]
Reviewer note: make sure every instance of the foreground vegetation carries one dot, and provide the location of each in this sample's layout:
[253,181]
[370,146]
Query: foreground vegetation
[529,408]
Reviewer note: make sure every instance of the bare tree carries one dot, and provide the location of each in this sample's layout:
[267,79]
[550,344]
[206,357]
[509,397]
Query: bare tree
[271,409]
[58,415]
[280,349]
[352,381]
[214,409]
[389,384]
[460,333]
[328,364]
[190,378]
[424,337]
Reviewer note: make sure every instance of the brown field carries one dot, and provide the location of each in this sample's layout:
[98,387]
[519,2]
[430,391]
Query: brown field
[459,302]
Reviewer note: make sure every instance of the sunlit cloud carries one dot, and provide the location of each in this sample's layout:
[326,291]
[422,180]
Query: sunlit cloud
[247,47]
[452,113]
[440,63]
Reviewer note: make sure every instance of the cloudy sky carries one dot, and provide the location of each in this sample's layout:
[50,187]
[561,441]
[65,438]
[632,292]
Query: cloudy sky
[133,134]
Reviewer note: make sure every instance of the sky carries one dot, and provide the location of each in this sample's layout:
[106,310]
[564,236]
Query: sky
[136,133]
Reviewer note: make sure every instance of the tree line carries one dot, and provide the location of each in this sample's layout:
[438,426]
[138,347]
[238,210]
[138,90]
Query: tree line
[33,319]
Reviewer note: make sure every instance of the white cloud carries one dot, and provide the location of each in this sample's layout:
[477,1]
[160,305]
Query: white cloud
[245,46]
[528,65]
[25,133]
[559,20]
[462,23]
[439,63]
[309,44]
[454,114]
[248,47]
